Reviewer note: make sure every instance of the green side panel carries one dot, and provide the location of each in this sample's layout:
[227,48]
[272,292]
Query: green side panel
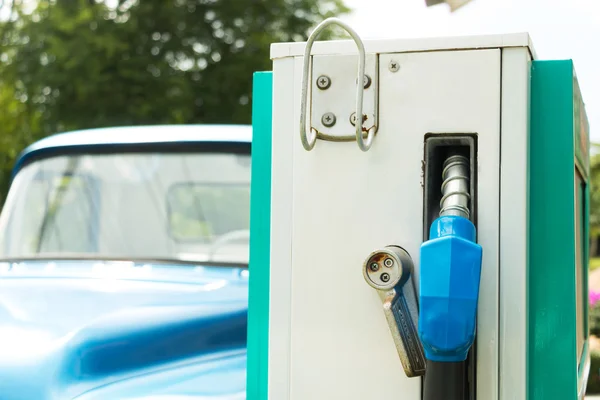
[260,234]
[557,276]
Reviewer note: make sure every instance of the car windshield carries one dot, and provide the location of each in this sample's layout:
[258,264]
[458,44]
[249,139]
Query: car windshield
[156,206]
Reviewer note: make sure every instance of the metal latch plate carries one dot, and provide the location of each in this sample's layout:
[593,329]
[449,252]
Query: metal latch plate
[336,99]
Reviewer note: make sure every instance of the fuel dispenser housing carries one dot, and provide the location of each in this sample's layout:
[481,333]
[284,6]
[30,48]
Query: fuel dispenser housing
[330,195]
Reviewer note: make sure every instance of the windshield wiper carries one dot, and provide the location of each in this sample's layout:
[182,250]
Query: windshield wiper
[54,204]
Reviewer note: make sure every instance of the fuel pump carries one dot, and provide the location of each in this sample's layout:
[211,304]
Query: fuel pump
[401,254]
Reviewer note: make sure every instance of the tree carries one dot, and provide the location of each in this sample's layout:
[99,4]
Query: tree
[18,123]
[73,64]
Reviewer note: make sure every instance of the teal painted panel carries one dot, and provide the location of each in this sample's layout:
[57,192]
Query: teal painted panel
[260,235]
[553,350]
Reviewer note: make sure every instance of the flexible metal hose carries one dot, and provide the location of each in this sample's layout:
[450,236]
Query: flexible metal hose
[455,187]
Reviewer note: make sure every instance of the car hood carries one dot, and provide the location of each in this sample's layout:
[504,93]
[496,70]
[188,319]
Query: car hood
[93,330]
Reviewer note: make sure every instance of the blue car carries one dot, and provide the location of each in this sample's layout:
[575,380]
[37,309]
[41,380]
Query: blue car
[124,265]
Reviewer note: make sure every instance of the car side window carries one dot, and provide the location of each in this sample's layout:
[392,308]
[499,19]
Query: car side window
[201,212]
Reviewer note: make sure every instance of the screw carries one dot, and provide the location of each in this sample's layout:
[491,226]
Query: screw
[323,82]
[385,277]
[394,66]
[328,119]
[374,266]
[388,262]
[366,81]
[353,118]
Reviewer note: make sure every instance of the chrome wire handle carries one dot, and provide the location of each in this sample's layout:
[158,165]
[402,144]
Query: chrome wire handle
[307,142]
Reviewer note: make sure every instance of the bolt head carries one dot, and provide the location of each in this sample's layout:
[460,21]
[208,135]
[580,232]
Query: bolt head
[385,277]
[366,81]
[328,119]
[394,66]
[353,118]
[323,82]
[374,266]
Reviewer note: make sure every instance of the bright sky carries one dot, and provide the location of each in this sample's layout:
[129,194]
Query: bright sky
[560,29]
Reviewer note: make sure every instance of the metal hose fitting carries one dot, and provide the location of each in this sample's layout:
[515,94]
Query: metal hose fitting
[455,187]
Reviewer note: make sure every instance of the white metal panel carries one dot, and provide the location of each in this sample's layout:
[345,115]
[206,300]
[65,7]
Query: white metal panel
[346,203]
[404,45]
[285,92]
[514,223]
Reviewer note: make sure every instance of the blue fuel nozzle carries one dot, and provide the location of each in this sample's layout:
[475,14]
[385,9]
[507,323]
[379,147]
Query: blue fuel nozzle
[449,289]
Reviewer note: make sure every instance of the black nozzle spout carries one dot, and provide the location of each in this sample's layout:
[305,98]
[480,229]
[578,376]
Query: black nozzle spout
[445,381]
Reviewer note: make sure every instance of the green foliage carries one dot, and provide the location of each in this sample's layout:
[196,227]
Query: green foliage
[594,318]
[19,124]
[73,64]
[593,386]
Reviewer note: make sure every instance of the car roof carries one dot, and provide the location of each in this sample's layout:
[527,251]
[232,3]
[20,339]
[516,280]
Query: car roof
[135,135]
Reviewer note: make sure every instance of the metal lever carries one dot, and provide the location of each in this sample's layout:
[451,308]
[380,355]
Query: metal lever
[389,271]
[310,143]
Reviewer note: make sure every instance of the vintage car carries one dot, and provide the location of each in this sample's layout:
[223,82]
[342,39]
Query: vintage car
[124,265]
